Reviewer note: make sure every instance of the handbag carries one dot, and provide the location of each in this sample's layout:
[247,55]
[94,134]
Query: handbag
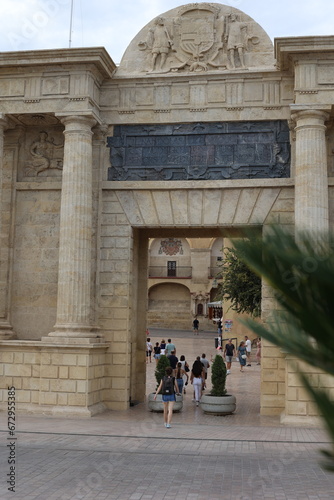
[243,356]
[186,368]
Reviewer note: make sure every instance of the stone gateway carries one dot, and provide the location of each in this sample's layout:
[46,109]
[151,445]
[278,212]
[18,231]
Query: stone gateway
[204,128]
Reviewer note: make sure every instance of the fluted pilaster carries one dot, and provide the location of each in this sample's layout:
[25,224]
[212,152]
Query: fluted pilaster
[311,182]
[75,240]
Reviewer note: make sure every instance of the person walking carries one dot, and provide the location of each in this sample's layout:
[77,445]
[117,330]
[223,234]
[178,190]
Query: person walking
[248,344]
[196,379]
[169,388]
[228,354]
[206,365]
[242,355]
[162,346]
[258,351]
[173,360]
[185,367]
[157,352]
[179,375]
[149,349]
[170,347]
[195,326]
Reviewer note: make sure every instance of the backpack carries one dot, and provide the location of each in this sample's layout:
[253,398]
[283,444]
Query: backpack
[168,386]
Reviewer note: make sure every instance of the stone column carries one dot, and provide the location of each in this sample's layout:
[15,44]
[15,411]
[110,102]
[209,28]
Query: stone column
[6,330]
[73,323]
[311,178]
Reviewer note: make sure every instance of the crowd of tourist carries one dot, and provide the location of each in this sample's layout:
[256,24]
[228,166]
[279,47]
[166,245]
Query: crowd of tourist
[178,374]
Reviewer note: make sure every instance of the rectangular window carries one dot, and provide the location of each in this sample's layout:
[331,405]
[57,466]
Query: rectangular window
[171,268]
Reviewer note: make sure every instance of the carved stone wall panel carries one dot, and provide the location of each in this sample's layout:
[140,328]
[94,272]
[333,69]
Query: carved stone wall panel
[200,151]
[79,85]
[253,91]
[127,97]
[56,85]
[144,96]
[33,88]
[41,154]
[287,90]
[162,96]
[272,93]
[110,97]
[12,87]
[35,262]
[235,93]
[180,94]
[198,95]
[306,75]
[325,74]
[216,92]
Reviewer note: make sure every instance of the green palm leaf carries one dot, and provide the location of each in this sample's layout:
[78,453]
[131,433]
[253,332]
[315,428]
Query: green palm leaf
[301,273]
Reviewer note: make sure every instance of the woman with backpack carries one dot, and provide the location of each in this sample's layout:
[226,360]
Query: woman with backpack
[169,388]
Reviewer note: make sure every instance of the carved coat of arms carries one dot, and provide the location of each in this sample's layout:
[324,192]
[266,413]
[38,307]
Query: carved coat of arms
[199,39]
[171,246]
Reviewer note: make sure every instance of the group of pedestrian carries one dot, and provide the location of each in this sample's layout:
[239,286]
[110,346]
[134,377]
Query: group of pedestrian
[159,349]
[176,379]
[244,353]
[176,375]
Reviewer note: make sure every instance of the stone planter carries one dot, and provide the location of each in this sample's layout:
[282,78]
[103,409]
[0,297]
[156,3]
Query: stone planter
[223,405]
[158,406]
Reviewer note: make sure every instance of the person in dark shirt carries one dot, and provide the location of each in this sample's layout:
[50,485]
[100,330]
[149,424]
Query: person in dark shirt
[173,360]
[228,354]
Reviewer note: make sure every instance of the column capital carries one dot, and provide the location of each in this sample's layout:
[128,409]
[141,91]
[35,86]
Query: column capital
[74,122]
[314,114]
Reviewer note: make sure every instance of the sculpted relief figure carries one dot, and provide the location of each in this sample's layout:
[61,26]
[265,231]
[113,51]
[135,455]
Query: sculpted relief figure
[236,39]
[199,37]
[42,153]
[159,42]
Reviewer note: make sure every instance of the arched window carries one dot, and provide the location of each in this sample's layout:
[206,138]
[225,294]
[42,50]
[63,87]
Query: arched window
[199,309]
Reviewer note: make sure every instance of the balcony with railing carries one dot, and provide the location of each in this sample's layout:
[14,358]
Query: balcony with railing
[163,272]
[215,272]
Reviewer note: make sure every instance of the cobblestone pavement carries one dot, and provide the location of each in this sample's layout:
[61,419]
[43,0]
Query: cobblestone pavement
[130,455]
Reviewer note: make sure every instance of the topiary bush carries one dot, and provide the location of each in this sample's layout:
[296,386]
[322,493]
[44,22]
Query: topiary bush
[160,369]
[218,377]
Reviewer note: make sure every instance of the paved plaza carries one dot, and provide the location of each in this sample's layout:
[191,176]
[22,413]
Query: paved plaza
[130,455]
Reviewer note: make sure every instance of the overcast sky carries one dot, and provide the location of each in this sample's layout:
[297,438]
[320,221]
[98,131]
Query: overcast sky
[45,24]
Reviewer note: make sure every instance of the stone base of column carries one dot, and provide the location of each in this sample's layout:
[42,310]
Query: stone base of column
[72,340]
[6,332]
[74,334]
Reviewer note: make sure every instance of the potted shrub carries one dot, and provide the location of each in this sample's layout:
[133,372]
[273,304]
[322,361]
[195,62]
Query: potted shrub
[157,404]
[217,402]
